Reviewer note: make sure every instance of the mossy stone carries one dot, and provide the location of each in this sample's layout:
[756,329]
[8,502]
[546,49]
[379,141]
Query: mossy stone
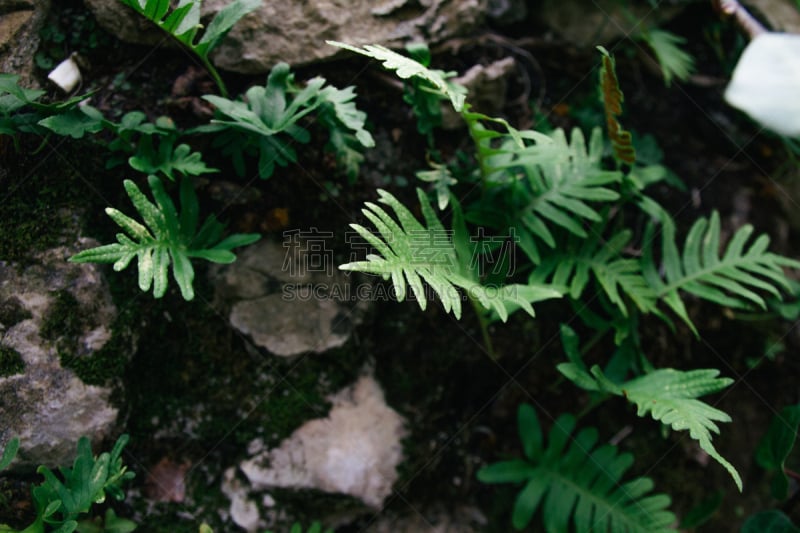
[10,362]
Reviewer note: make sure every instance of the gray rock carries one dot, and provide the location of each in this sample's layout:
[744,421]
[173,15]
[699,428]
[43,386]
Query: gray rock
[124,23]
[355,450]
[588,24]
[780,15]
[20,23]
[43,403]
[288,298]
[295,32]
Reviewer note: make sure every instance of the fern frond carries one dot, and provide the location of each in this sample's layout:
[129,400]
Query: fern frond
[573,265]
[579,484]
[561,178]
[405,68]
[183,23]
[165,237]
[674,61]
[669,396]
[734,279]
[267,122]
[441,178]
[412,253]
[612,97]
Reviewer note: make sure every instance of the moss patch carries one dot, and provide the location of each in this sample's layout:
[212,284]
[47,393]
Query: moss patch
[64,318]
[10,362]
[64,323]
[12,312]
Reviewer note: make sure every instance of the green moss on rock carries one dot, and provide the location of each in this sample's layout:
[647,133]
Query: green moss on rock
[65,322]
[10,362]
[12,312]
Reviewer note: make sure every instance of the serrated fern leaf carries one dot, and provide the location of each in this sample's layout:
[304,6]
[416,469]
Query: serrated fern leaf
[573,481]
[734,279]
[562,180]
[165,237]
[267,122]
[405,68]
[183,22]
[583,259]
[621,140]
[669,396]
[441,178]
[674,61]
[411,253]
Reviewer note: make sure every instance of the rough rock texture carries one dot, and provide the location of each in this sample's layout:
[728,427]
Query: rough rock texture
[20,22]
[587,24]
[295,32]
[780,15]
[289,298]
[124,23]
[43,403]
[354,451]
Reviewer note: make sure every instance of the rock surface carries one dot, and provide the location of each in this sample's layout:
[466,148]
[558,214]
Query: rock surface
[288,297]
[601,21]
[20,23]
[355,450]
[43,403]
[295,32]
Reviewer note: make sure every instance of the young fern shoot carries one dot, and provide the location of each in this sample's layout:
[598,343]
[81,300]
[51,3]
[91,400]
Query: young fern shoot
[165,237]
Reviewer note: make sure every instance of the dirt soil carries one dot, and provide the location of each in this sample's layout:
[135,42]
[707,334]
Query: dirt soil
[460,404]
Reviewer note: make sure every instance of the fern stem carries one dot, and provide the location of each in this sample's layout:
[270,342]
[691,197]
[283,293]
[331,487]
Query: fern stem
[471,123]
[223,91]
[484,324]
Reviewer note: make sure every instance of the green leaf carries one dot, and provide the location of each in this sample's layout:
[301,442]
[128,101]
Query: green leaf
[442,179]
[737,278]
[578,485]
[411,253]
[223,22]
[168,160]
[775,446]
[772,521]
[406,67]
[674,61]
[74,123]
[561,182]
[9,452]
[577,260]
[170,239]
[267,122]
[669,396]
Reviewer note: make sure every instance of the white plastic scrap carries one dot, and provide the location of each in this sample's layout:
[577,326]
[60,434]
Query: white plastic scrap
[766,82]
[67,75]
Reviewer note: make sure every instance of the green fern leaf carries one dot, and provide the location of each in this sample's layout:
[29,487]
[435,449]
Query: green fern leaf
[572,480]
[405,68]
[412,253]
[669,396]
[267,122]
[674,62]
[561,179]
[441,178]
[183,22]
[735,279]
[165,237]
[573,265]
